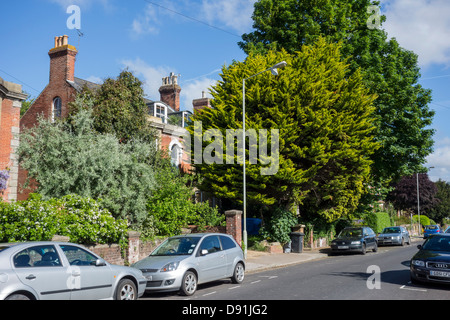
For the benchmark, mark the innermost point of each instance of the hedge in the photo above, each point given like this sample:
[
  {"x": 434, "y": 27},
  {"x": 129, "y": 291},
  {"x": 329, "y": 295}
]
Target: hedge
[{"x": 378, "y": 221}]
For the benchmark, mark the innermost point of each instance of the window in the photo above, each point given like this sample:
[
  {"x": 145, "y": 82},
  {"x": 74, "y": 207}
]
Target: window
[
  {"x": 175, "y": 155},
  {"x": 39, "y": 256},
  {"x": 227, "y": 243},
  {"x": 78, "y": 256},
  {"x": 211, "y": 244},
  {"x": 57, "y": 109},
  {"x": 160, "y": 112}
]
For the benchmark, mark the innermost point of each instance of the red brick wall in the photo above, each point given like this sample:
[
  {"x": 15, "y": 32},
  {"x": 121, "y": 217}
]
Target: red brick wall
[{"x": 10, "y": 117}]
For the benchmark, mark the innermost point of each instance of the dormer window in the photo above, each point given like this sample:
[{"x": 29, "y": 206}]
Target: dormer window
[
  {"x": 160, "y": 112},
  {"x": 56, "y": 109}
]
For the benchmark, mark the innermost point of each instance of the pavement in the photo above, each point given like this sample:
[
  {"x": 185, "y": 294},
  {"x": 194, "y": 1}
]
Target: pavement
[{"x": 258, "y": 261}]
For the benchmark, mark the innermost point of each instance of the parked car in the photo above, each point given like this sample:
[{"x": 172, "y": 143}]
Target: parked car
[
  {"x": 394, "y": 236},
  {"x": 431, "y": 229},
  {"x": 183, "y": 262},
  {"x": 432, "y": 262},
  {"x": 357, "y": 239},
  {"x": 447, "y": 230},
  {"x": 63, "y": 271}
]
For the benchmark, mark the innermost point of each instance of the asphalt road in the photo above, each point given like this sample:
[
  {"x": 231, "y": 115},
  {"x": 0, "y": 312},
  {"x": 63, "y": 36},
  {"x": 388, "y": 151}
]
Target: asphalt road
[{"x": 383, "y": 275}]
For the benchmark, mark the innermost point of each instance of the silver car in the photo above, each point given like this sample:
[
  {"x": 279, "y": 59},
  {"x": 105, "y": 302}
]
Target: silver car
[
  {"x": 63, "y": 271},
  {"x": 394, "y": 236},
  {"x": 183, "y": 262}
]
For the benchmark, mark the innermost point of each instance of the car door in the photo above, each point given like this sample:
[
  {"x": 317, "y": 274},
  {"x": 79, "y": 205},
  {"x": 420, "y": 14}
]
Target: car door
[
  {"x": 87, "y": 280},
  {"x": 211, "y": 260},
  {"x": 369, "y": 237},
  {"x": 40, "y": 267},
  {"x": 229, "y": 247}
]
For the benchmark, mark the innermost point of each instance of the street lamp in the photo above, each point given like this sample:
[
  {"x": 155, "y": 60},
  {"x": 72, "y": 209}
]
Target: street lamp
[{"x": 274, "y": 71}]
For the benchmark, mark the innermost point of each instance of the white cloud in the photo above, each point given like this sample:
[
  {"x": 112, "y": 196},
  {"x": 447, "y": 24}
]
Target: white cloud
[
  {"x": 149, "y": 75},
  {"x": 193, "y": 89},
  {"x": 235, "y": 14},
  {"x": 440, "y": 160},
  {"x": 146, "y": 23},
  {"x": 420, "y": 26}
]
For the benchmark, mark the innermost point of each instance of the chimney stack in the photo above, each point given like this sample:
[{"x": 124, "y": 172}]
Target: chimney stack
[
  {"x": 170, "y": 91},
  {"x": 203, "y": 102},
  {"x": 62, "y": 60}
]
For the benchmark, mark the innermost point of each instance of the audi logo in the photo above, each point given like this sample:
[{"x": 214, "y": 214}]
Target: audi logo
[{"x": 441, "y": 265}]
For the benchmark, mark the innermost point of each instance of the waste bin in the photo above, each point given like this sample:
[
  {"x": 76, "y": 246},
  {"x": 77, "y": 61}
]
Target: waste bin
[{"x": 297, "y": 242}]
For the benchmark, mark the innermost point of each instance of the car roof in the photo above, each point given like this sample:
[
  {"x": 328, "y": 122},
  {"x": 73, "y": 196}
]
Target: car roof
[
  {"x": 200, "y": 235},
  {"x": 34, "y": 243}
]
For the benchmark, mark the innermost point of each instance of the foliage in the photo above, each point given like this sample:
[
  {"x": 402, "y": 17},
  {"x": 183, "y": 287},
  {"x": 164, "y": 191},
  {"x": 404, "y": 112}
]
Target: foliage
[
  {"x": 404, "y": 195},
  {"x": 424, "y": 220},
  {"x": 4, "y": 176},
  {"x": 82, "y": 219},
  {"x": 278, "y": 227},
  {"x": 324, "y": 118},
  {"x": 120, "y": 108},
  {"x": 171, "y": 207},
  {"x": 388, "y": 70},
  {"x": 441, "y": 209},
  {"x": 72, "y": 159},
  {"x": 377, "y": 220}
]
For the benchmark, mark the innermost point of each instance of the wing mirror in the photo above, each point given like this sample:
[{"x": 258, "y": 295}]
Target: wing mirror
[
  {"x": 100, "y": 263},
  {"x": 204, "y": 252}
]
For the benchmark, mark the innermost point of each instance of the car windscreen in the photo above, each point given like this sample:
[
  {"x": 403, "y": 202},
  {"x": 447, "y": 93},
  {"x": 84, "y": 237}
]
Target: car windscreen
[
  {"x": 351, "y": 233},
  {"x": 177, "y": 246},
  {"x": 437, "y": 243},
  {"x": 391, "y": 230}
]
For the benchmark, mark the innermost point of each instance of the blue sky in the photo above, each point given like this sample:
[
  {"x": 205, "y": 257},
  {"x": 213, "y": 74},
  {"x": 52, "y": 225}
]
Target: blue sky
[{"x": 153, "y": 41}]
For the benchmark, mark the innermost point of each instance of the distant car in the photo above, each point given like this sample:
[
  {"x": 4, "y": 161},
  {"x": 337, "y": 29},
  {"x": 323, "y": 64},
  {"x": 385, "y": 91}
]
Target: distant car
[
  {"x": 431, "y": 229},
  {"x": 432, "y": 262},
  {"x": 394, "y": 236},
  {"x": 356, "y": 239},
  {"x": 182, "y": 262},
  {"x": 63, "y": 271}
]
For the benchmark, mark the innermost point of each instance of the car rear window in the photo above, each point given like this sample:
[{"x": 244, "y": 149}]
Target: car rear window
[{"x": 227, "y": 243}]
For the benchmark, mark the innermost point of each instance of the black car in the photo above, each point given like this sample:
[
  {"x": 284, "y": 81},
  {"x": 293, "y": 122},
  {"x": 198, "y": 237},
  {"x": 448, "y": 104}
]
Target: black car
[
  {"x": 356, "y": 239},
  {"x": 432, "y": 262}
]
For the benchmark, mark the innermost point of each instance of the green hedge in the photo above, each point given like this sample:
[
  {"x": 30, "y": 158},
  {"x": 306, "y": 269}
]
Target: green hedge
[
  {"x": 377, "y": 221},
  {"x": 81, "y": 219}
]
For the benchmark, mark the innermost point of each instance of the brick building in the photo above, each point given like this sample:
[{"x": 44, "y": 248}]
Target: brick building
[
  {"x": 164, "y": 115},
  {"x": 11, "y": 98}
]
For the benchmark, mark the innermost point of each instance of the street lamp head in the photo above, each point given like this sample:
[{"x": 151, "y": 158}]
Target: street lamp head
[{"x": 274, "y": 70}]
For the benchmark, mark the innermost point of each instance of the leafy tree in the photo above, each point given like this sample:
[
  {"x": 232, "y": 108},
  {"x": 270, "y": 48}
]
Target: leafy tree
[
  {"x": 120, "y": 108},
  {"x": 442, "y": 209},
  {"x": 73, "y": 159},
  {"x": 404, "y": 195},
  {"x": 325, "y": 122},
  {"x": 391, "y": 72}
]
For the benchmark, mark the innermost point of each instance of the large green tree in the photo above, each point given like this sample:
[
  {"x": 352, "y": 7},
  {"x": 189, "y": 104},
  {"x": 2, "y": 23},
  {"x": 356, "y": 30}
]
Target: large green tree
[
  {"x": 325, "y": 122},
  {"x": 388, "y": 70}
]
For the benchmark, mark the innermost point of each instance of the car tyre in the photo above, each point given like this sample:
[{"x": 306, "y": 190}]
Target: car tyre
[
  {"x": 363, "y": 250},
  {"x": 188, "y": 284},
  {"x": 17, "y": 297},
  {"x": 239, "y": 273},
  {"x": 126, "y": 290},
  {"x": 375, "y": 249}
]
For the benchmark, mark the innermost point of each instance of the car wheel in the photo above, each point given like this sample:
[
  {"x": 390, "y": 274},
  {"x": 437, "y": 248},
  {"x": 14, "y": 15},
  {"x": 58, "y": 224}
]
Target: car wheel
[
  {"x": 189, "y": 284},
  {"x": 239, "y": 273},
  {"x": 375, "y": 249},
  {"x": 17, "y": 297},
  {"x": 403, "y": 242},
  {"x": 363, "y": 250},
  {"x": 126, "y": 290}
]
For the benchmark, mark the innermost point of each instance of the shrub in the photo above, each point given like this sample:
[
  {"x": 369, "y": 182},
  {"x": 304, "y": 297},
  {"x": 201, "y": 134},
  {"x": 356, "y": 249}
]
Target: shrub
[
  {"x": 377, "y": 221},
  {"x": 279, "y": 226},
  {"x": 424, "y": 220},
  {"x": 81, "y": 219}
]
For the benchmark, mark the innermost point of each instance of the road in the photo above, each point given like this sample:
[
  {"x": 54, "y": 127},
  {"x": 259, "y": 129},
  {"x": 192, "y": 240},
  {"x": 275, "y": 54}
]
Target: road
[{"x": 383, "y": 275}]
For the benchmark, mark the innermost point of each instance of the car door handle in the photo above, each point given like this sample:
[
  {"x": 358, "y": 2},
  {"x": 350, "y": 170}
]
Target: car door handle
[
  {"x": 75, "y": 274},
  {"x": 31, "y": 277}
]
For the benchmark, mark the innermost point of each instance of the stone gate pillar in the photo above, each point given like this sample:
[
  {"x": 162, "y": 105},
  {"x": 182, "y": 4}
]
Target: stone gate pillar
[{"x": 234, "y": 224}]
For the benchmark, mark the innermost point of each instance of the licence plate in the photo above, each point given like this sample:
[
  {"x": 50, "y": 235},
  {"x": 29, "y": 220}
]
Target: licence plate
[
  {"x": 440, "y": 274},
  {"x": 342, "y": 247}
]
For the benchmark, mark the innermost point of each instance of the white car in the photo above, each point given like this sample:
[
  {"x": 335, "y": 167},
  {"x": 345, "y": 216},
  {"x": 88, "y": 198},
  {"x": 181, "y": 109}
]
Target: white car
[
  {"x": 182, "y": 262},
  {"x": 63, "y": 271}
]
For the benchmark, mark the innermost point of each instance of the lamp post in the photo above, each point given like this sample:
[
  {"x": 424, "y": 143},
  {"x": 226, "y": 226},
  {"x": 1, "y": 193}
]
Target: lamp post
[{"x": 274, "y": 72}]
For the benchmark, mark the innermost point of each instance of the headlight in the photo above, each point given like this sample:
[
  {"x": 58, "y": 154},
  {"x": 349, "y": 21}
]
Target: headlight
[
  {"x": 170, "y": 266},
  {"x": 418, "y": 263},
  {"x": 356, "y": 242}
]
